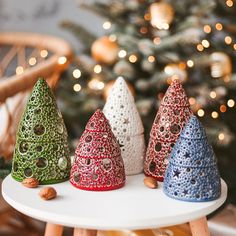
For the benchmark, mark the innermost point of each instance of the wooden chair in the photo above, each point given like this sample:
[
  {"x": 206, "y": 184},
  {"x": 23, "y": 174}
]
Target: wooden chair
[{"x": 23, "y": 58}]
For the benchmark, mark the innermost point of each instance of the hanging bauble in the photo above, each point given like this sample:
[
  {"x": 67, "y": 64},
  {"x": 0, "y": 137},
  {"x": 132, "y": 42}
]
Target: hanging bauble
[
  {"x": 104, "y": 50},
  {"x": 124, "y": 68},
  {"x": 176, "y": 71},
  {"x": 162, "y": 14},
  {"x": 221, "y": 66},
  {"x": 109, "y": 85}
]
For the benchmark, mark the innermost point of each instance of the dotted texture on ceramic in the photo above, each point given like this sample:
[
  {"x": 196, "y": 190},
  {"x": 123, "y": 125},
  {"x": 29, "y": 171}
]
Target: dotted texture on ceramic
[
  {"x": 173, "y": 114},
  {"x": 121, "y": 111},
  {"x": 41, "y": 149},
  {"x": 98, "y": 165},
  {"x": 192, "y": 173}
]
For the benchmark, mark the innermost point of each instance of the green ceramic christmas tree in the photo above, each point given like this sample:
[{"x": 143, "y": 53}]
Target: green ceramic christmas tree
[{"x": 41, "y": 149}]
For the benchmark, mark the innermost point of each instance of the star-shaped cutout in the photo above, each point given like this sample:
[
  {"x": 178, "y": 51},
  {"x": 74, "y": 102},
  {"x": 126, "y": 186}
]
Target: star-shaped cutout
[
  {"x": 126, "y": 121},
  {"x": 186, "y": 155},
  {"x": 176, "y": 173},
  {"x": 185, "y": 192}
]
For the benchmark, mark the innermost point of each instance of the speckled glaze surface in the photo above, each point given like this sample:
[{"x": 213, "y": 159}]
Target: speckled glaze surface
[
  {"x": 192, "y": 173},
  {"x": 126, "y": 124},
  {"x": 41, "y": 149},
  {"x": 98, "y": 165},
  {"x": 171, "y": 117}
]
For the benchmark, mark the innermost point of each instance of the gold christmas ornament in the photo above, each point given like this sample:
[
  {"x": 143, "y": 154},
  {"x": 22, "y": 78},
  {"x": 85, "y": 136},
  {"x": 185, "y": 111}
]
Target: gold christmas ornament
[
  {"x": 109, "y": 85},
  {"x": 176, "y": 71},
  {"x": 221, "y": 66},
  {"x": 162, "y": 14},
  {"x": 104, "y": 50}
]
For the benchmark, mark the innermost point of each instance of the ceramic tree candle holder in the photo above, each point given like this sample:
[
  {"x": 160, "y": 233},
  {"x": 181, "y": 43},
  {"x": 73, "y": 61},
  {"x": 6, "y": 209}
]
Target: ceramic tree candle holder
[
  {"x": 98, "y": 164},
  {"x": 126, "y": 125},
  {"x": 192, "y": 173},
  {"x": 171, "y": 117},
  {"x": 41, "y": 149}
]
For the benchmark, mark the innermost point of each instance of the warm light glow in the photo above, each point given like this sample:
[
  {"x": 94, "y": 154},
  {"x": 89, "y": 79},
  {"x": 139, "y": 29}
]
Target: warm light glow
[
  {"x": 143, "y": 30},
  {"x": 76, "y": 73},
  {"x": 231, "y": 103},
  {"x": 221, "y": 136},
  {"x": 112, "y": 37},
  {"x": 19, "y": 70},
  {"x": 200, "y": 112},
  {"x": 151, "y": 59},
  {"x": 223, "y": 108},
  {"x": 182, "y": 65},
  {"x": 200, "y": 47},
  {"x": 213, "y": 94},
  {"x": 43, "y": 53},
  {"x": 219, "y": 26},
  {"x": 190, "y": 63},
  {"x": 77, "y": 87},
  {"x": 62, "y": 60},
  {"x": 205, "y": 43},
  {"x": 229, "y": 3},
  {"x": 122, "y": 53},
  {"x": 97, "y": 69},
  {"x": 228, "y": 40},
  {"x": 96, "y": 84},
  {"x": 157, "y": 40},
  {"x": 133, "y": 58},
  {"x": 32, "y": 61},
  {"x": 214, "y": 114},
  {"x": 165, "y": 26},
  {"x": 207, "y": 29},
  {"x": 106, "y": 25},
  {"x": 147, "y": 16},
  {"x": 192, "y": 101},
  {"x": 234, "y": 46}
]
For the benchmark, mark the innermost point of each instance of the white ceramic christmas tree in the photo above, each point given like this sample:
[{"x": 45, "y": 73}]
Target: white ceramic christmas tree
[{"x": 127, "y": 126}]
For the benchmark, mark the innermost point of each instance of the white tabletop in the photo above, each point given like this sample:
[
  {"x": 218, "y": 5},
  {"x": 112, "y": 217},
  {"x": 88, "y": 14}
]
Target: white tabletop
[{"x": 131, "y": 207}]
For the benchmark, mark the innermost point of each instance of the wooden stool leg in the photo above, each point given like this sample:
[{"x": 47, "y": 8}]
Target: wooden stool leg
[
  {"x": 84, "y": 232},
  {"x": 199, "y": 227},
  {"x": 53, "y": 230}
]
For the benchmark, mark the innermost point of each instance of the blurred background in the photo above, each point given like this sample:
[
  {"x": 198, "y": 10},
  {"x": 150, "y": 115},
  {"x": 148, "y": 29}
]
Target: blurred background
[{"x": 149, "y": 43}]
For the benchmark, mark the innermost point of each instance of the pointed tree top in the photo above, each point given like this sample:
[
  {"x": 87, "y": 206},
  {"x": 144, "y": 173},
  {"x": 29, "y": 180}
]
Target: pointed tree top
[
  {"x": 175, "y": 96},
  {"x": 121, "y": 111},
  {"x": 192, "y": 148},
  {"x": 41, "y": 94},
  {"x": 193, "y": 129},
  {"x": 98, "y": 123}
]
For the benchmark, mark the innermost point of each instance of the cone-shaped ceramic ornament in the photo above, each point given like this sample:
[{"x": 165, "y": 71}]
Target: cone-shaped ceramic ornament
[
  {"x": 192, "y": 173},
  {"x": 126, "y": 125},
  {"x": 41, "y": 149},
  {"x": 171, "y": 117},
  {"x": 98, "y": 164}
]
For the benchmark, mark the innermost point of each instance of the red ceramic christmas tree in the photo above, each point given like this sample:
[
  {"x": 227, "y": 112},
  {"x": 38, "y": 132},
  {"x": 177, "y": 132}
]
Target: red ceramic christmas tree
[
  {"x": 98, "y": 163},
  {"x": 173, "y": 114}
]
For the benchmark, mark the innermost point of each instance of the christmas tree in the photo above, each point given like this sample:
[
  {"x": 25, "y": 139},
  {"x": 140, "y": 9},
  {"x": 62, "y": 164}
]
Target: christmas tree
[
  {"x": 171, "y": 117},
  {"x": 126, "y": 125},
  {"x": 150, "y": 43},
  {"x": 41, "y": 149},
  {"x": 98, "y": 164},
  {"x": 192, "y": 174}
]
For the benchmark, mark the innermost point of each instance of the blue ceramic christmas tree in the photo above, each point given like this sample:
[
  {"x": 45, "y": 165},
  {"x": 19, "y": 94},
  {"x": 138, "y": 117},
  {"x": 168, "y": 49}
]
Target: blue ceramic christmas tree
[{"x": 192, "y": 173}]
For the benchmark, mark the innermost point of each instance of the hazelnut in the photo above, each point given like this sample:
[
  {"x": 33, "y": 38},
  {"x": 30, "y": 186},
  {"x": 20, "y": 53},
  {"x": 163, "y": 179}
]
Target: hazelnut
[
  {"x": 47, "y": 193},
  {"x": 150, "y": 182},
  {"x": 30, "y": 183}
]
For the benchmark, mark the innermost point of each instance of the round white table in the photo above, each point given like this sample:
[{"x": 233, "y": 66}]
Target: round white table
[{"x": 132, "y": 207}]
